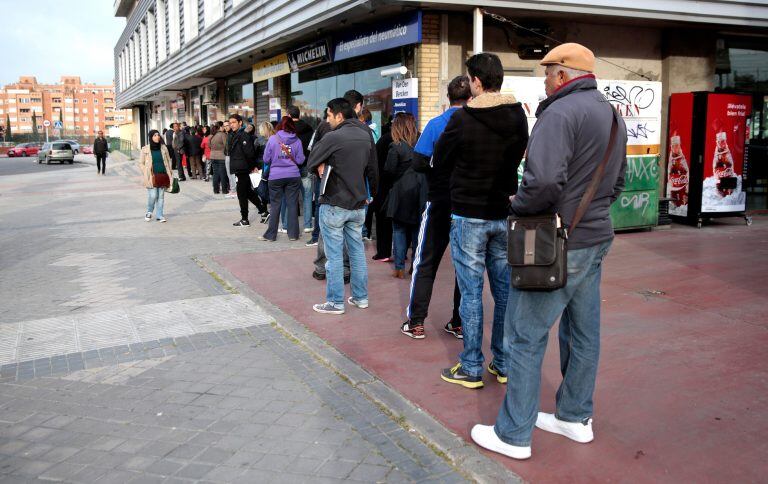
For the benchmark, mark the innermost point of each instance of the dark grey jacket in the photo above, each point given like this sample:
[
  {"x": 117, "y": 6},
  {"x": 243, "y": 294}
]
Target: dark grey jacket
[
  {"x": 567, "y": 143},
  {"x": 350, "y": 150}
]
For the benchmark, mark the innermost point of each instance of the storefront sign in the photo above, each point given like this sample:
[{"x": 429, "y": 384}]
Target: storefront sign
[
  {"x": 638, "y": 102},
  {"x": 314, "y": 54},
  {"x": 405, "y": 96},
  {"x": 267, "y": 69},
  {"x": 275, "y": 113},
  {"x": 388, "y": 34}
]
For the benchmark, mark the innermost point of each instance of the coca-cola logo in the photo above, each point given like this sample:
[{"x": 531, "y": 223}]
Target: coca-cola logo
[
  {"x": 724, "y": 172},
  {"x": 678, "y": 181}
]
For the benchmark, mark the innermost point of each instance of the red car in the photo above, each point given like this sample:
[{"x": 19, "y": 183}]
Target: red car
[
  {"x": 25, "y": 149},
  {"x": 86, "y": 149}
]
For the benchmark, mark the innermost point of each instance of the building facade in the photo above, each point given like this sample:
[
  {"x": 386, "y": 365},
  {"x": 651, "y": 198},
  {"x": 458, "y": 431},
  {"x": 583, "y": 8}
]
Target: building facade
[
  {"x": 82, "y": 109},
  {"x": 197, "y": 60}
]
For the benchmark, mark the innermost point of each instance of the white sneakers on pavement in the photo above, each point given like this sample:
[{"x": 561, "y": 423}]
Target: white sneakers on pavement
[
  {"x": 577, "y": 431},
  {"x": 486, "y": 437}
]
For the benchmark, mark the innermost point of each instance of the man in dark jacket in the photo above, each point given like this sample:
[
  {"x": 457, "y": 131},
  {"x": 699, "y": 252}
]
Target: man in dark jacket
[
  {"x": 100, "y": 150},
  {"x": 568, "y": 142},
  {"x": 383, "y": 223},
  {"x": 242, "y": 161},
  {"x": 304, "y": 132},
  {"x": 435, "y": 221},
  {"x": 169, "y": 145},
  {"x": 177, "y": 145},
  {"x": 480, "y": 150},
  {"x": 345, "y": 159}
]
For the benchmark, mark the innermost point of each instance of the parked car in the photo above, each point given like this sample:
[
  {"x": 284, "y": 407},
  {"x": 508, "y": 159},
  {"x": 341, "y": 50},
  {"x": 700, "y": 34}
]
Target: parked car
[
  {"x": 25, "y": 149},
  {"x": 87, "y": 149},
  {"x": 74, "y": 144},
  {"x": 60, "y": 151}
]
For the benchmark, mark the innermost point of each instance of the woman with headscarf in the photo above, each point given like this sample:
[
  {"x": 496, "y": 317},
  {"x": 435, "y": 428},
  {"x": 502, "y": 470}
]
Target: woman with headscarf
[{"x": 155, "y": 165}]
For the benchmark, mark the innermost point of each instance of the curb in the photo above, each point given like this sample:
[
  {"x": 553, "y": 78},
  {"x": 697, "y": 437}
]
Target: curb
[{"x": 463, "y": 456}]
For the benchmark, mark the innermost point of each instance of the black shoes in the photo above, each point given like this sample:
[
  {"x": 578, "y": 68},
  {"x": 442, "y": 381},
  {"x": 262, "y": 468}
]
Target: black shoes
[
  {"x": 454, "y": 329},
  {"x": 415, "y": 331},
  {"x": 242, "y": 223},
  {"x": 321, "y": 277}
]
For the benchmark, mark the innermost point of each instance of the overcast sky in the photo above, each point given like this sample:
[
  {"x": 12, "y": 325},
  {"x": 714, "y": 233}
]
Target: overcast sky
[{"x": 51, "y": 38}]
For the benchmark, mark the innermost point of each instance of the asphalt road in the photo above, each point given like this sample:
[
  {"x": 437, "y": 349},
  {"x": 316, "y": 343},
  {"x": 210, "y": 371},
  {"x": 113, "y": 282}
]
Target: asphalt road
[{"x": 21, "y": 166}]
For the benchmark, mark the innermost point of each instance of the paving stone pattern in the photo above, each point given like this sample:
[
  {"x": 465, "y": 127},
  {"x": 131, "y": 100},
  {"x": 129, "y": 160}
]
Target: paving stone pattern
[
  {"x": 259, "y": 409},
  {"x": 81, "y": 333},
  {"x": 121, "y": 360},
  {"x": 74, "y": 242}
]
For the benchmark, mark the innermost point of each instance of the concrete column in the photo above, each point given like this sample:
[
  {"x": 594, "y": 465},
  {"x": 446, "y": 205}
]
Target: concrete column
[{"x": 477, "y": 31}]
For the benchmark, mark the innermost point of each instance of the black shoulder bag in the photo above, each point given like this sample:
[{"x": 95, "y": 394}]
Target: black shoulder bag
[{"x": 537, "y": 246}]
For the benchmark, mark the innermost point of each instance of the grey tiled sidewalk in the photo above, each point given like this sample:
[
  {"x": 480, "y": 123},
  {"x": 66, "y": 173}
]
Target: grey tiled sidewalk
[
  {"x": 122, "y": 360},
  {"x": 257, "y": 410},
  {"x": 88, "y": 332}
]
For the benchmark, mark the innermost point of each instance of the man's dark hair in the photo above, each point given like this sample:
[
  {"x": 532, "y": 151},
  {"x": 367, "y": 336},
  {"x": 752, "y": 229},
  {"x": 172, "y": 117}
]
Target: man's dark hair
[
  {"x": 486, "y": 67},
  {"x": 458, "y": 90},
  {"x": 171, "y": 126},
  {"x": 293, "y": 112},
  {"x": 341, "y": 105},
  {"x": 236, "y": 117},
  {"x": 353, "y": 98}
]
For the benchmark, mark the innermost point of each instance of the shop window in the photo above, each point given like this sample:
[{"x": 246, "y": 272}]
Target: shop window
[
  {"x": 311, "y": 90},
  {"x": 240, "y": 96}
]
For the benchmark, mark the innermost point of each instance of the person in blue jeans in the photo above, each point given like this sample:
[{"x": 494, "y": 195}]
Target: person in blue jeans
[
  {"x": 345, "y": 159},
  {"x": 569, "y": 141},
  {"x": 480, "y": 150}
]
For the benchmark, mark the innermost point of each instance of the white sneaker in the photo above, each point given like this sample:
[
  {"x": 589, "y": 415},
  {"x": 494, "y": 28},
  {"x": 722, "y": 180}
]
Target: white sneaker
[
  {"x": 361, "y": 303},
  {"x": 282, "y": 231},
  {"x": 148, "y": 217},
  {"x": 580, "y": 432},
  {"x": 308, "y": 230},
  {"x": 486, "y": 437}
]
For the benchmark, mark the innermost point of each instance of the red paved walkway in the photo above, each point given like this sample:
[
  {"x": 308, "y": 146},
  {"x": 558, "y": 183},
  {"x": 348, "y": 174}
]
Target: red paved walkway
[{"x": 682, "y": 392}]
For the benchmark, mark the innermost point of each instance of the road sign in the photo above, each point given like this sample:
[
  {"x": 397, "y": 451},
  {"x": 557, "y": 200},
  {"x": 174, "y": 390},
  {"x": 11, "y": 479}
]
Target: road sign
[
  {"x": 58, "y": 125},
  {"x": 46, "y": 123}
]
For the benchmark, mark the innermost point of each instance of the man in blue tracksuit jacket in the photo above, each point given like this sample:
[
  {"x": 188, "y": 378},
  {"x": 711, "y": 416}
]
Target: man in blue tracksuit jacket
[{"x": 434, "y": 233}]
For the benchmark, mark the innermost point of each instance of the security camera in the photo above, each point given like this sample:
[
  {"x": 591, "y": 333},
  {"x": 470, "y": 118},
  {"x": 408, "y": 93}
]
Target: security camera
[{"x": 401, "y": 70}]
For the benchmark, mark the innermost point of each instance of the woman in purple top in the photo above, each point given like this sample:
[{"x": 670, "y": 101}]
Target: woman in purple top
[{"x": 284, "y": 155}]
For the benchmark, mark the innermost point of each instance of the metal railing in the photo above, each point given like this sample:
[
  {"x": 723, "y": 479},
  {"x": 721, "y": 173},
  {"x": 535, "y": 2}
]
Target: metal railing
[{"x": 124, "y": 146}]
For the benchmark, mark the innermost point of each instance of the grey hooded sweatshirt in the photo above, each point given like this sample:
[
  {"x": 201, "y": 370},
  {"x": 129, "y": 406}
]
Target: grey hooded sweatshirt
[{"x": 567, "y": 144}]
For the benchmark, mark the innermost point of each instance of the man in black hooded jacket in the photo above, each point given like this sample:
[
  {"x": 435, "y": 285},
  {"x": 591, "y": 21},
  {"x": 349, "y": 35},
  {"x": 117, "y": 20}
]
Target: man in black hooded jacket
[{"x": 481, "y": 148}]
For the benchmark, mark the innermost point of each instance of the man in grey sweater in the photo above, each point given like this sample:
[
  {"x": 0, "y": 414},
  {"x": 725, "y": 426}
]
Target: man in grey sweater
[{"x": 567, "y": 144}]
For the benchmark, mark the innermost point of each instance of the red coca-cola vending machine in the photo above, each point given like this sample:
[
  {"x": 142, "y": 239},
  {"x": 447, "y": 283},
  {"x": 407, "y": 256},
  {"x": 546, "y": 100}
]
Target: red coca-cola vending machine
[{"x": 706, "y": 155}]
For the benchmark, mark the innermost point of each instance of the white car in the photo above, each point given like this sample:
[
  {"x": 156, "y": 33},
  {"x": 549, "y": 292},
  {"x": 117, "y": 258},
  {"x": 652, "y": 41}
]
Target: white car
[
  {"x": 60, "y": 151},
  {"x": 74, "y": 144}
]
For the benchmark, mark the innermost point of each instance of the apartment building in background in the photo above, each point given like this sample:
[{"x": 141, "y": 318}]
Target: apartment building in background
[{"x": 82, "y": 108}]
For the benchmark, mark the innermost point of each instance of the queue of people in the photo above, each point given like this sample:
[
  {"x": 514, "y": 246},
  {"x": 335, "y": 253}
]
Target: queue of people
[{"x": 453, "y": 185}]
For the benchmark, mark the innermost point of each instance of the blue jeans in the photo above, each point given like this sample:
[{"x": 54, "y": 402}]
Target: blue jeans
[
  {"x": 340, "y": 227},
  {"x": 530, "y": 315},
  {"x": 307, "y": 185},
  {"x": 400, "y": 242},
  {"x": 476, "y": 246},
  {"x": 155, "y": 200}
]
